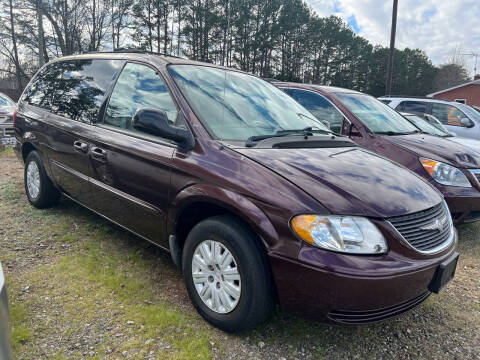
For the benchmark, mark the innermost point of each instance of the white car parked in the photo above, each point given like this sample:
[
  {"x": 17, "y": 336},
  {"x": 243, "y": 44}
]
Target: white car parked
[
  {"x": 460, "y": 119},
  {"x": 431, "y": 125}
]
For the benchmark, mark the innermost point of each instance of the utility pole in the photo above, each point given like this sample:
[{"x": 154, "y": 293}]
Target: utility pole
[
  {"x": 476, "y": 56},
  {"x": 388, "y": 89}
]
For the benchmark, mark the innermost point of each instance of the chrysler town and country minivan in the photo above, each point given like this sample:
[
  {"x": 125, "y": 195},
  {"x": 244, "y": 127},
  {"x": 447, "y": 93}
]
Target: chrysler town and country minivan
[
  {"x": 452, "y": 168},
  {"x": 254, "y": 198}
]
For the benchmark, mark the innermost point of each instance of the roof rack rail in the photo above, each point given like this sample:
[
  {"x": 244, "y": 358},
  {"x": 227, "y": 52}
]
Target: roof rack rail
[
  {"x": 411, "y": 97},
  {"x": 133, "y": 50},
  {"x": 271, "y": 80}
]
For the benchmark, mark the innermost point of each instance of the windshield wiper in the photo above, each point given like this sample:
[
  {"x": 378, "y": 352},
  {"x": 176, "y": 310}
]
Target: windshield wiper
[
  {"x": 308, "y": 131},
  {"x": 392, "y": 133}
]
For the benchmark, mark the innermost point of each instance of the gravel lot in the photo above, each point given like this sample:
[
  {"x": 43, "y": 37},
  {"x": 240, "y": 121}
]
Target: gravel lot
[{"x": 81, "y": 288}]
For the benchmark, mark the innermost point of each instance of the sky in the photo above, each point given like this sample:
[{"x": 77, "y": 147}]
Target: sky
[{"x": 436, "y": 26}]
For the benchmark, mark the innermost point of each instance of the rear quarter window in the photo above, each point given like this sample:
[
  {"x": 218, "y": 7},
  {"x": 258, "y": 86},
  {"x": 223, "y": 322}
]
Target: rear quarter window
[{"x": 74, "y": 89}]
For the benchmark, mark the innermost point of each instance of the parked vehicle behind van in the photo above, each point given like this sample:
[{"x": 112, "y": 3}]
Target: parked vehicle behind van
[
  {"x": 450, "y": 167},
  {"x": 255, "y": 199},
  {"x": 458, "y": 118},
  {"x": 431, "y": 125}
]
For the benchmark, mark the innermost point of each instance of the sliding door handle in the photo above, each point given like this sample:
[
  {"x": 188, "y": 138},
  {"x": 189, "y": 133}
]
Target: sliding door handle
[{"x": 80, "y": 146}]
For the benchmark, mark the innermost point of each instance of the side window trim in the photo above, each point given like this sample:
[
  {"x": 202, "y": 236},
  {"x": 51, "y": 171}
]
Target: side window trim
[
  {"x": 146, "y": 137},
  {"x": 108, "y": 93}
]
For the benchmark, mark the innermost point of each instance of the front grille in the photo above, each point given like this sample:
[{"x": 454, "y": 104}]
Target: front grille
[
  {"x": 369, "y": 316},
  {"x": 476, "y": 174},
  {"x": 425, "y": 230}
]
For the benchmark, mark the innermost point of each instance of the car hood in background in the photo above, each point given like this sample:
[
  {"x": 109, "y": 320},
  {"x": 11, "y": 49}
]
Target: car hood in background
[
  {"x": 469, "y": 143},
  {"x": 437, "y": 148},
  {"x": 350, "y": 181}
]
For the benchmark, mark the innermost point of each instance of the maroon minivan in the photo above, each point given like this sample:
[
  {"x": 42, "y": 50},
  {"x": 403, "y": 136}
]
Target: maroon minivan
[
  {"x": 254, "y": 198},
  {"x": 454, "y": 169}
]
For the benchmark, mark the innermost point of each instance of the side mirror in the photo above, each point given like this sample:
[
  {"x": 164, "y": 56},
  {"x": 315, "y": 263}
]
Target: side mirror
[
  {"x": 353, "y": 131},
  {"x": 155, "y": 122},
  {"x": 466, "y": 122}
]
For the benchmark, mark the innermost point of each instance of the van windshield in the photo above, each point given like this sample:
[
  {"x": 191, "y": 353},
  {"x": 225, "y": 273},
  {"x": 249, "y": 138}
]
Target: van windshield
[
  {"x": 378, "y": 117},
  {"x": 235, "y": 106}
]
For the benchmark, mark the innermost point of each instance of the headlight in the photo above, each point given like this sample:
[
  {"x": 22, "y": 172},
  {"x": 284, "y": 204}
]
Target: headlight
[
  {"x": 445, "y": 174},
  {"x": 348, "y": 234}
]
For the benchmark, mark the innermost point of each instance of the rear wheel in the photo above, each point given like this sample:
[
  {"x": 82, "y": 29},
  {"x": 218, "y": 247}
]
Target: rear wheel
[
  {"x": 227, "y": 275},
  {"x": 41, "y": 193}
]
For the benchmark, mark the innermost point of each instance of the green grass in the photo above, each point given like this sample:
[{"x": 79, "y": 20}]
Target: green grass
[
  {"x": 99, "y": 276},
  {"x": 7, "y": 152}
]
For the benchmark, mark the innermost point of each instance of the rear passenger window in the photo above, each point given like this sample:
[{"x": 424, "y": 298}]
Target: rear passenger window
[
  {"x": 73, "y": 89},
  {"x": 417, "y": 107},
  {"x": 81, "y": 88},
  {"x": 138, "y": 86},
  {"x": 41, "y": 91}
]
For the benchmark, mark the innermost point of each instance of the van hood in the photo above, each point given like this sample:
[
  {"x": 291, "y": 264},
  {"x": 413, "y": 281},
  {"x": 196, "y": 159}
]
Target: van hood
[
  {"x": 350, "y": 181},
  {"x": 437, "y": 148}
]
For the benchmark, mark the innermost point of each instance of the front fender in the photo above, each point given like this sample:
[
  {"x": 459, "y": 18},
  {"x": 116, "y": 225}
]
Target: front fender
[{"x": 234, "y": 202}]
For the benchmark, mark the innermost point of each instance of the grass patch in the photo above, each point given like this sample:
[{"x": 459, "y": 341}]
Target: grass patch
[
  {"x": 21, "y": 329},
  {"x": 104, "y": 281},
  {"x": 7, "y": 152}
]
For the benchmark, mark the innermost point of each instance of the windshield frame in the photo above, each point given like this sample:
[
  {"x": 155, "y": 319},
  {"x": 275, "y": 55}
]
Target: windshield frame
[
  {"x": 339, "y": 97},
  {"x": 211, "y": 133}
]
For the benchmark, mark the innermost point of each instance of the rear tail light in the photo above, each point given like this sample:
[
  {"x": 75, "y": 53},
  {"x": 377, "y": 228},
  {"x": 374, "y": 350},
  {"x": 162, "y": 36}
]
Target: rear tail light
[{"x": 14, "y": 117}]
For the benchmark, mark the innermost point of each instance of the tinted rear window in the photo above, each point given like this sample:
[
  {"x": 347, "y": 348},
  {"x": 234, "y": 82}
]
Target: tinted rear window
[
  {"x": 73, "y": 89},
  {"x": 418, "y": 107}
]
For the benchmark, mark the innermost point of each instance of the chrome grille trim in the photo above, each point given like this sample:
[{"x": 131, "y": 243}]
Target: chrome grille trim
[
  {"x": 413, "y": 228},
  {"x": 476, "y": 174}
]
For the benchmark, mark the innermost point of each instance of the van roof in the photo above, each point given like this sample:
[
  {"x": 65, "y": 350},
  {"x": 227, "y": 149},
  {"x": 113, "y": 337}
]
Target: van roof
[{"x": 139, "y": 55}]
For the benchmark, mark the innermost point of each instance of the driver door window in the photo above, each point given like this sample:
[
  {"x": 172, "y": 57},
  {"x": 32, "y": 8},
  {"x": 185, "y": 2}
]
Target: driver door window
[
  {"x": 447, "y": 114},
  {"x": 320, "y": 107},
  {"x": 138, "y": 86}
]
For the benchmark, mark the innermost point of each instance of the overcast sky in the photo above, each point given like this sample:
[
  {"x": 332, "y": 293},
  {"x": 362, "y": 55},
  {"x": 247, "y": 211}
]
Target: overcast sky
[{"x": 436, "y": 26}]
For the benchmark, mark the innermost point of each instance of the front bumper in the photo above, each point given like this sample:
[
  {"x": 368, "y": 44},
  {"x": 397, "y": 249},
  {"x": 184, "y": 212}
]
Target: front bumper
[
  {"x": 340, "y": 288},
  {"x": 464, "y": 209}
]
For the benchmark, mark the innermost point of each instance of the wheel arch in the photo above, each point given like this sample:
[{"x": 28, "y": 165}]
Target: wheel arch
[{"x": 196, "y": 203}]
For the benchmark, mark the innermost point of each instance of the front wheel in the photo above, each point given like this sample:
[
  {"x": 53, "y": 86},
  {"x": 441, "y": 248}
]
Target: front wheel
[
  {"x": 227, "y": 275},
  {"x": 41, "y": 193}
]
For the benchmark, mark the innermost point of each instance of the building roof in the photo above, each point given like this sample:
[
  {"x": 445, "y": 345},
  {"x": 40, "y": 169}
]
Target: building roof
[{"x": 475, "y": 82}]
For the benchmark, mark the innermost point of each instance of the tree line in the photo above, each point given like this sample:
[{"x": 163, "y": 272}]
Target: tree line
[{"x": 283, "y": 39}]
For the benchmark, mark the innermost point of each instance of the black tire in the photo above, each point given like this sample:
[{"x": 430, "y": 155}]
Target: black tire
[
  {"x": 48, "y": 195},
  {"x": 256, "y": 301}
]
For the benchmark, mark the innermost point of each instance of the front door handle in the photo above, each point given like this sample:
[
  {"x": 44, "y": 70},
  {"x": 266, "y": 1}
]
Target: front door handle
[
  {"x": 98, "y": 153},
  {"x": 80, "y": 146}
]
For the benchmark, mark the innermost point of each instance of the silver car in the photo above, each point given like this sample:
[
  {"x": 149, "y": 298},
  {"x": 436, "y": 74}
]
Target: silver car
[
  {"x": 7, "y": 109},
  {"x": 5, "y": 350},
  {"x": 431, "y": 125},
  {"x": 459, "y": 119}
]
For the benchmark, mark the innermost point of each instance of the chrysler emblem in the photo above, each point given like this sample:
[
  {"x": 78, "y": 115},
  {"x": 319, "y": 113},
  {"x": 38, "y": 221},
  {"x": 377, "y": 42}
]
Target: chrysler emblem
[{"x": 437, "y": 225}]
